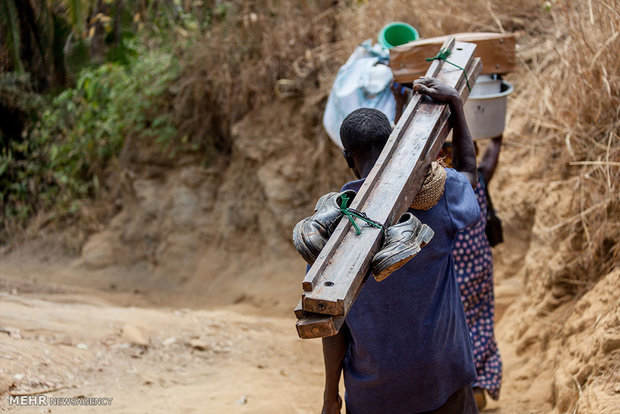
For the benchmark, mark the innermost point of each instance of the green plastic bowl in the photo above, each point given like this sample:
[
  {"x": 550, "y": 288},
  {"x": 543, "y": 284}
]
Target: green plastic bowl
[{"x": 397, "y": 33}]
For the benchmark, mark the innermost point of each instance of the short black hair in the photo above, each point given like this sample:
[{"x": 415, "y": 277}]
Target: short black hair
[{"x": 364, "y": 129}]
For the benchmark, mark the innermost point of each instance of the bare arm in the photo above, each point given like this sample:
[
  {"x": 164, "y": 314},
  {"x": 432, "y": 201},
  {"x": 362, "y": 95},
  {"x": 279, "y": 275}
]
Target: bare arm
[
  {"x": 463, "y": 150},
  {"x": 400, "y": 95},
  {"x": 334, "y": 350},
  {"x": 490, "y": 159}
]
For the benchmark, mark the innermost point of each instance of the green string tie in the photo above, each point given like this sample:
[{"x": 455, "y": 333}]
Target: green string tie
[
  {"x": 443, "y": 54},
  {"x": 351, "y": 213}
]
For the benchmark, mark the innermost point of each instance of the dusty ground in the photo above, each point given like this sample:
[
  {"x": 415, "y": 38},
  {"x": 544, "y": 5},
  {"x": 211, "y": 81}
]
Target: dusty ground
[
  {"x": 67, "y": 335},
  {"x": 81, "y": 342}
]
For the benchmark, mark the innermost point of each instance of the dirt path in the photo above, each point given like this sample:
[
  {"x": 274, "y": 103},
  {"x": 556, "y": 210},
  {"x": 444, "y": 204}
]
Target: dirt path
[
  {"x": 156, "y": 360},
  {"x": 114, "y": 335},
  {"x": 81, "y": 343}
]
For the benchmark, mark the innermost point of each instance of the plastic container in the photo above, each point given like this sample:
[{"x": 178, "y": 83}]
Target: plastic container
[
  {"x": 396, "y": 34},
  {"x": 486, "y": 85},
  {"x": 485, "y": 109}
]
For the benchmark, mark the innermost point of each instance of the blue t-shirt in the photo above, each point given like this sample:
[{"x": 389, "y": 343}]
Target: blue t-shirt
[{"x": 410, "y": 348}]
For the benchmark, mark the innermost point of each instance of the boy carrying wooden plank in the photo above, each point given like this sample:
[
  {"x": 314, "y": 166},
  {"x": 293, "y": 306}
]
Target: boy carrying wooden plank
[{"x": 405, "y": 346}]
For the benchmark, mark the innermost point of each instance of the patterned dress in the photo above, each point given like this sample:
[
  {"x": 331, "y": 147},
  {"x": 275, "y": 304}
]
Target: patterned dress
[{"x": 474, "y": 269}]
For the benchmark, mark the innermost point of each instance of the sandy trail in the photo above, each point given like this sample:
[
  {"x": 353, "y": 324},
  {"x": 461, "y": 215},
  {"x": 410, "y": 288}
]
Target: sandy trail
[
  {"x": 65, "y": 329},
  {"x": 156, "y": 360},
  {"x": 232, "y": 359}
]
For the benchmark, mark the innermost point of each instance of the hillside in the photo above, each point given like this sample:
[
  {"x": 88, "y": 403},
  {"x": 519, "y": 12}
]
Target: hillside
[{"x": 201, "y": 237}]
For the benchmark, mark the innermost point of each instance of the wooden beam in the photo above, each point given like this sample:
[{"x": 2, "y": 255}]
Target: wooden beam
[
  {"x": 337, "y": 276},
  {"x": 335, "y": 240},
  {"x": 497, "y": 51},
  {"x": 326, "y": 255},
  {"x": 315, "y": 325},
  {"x": 300, "y": 313}
]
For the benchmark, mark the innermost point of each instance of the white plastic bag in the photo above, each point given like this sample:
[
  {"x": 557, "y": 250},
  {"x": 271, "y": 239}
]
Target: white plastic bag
[{"x": 362, "y": 82}]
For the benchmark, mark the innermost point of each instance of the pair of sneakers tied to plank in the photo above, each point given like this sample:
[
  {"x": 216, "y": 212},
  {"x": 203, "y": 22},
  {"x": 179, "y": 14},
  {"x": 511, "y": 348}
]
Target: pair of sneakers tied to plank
[{"x": 401, "y": 242}]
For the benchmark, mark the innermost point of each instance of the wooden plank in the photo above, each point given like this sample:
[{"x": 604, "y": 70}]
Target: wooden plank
[
  {"x": 326, "y": 323},
  {"x": 315, "y": 325},
  {"x": 497, "y": 51},
  {"x": 393, "y": 192},
  {"x": 388, "y": 194},
  {"x": 335, "y": 240},
  {"x": 300, "y": 313},
  {"x": 326, "y": 255}
]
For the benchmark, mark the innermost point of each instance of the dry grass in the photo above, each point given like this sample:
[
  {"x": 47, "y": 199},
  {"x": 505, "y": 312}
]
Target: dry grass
[
  {"x": 235, "y": 67},
  {"x": 272, "y": 48},
  {"x": 569, "y": 93},
  {"x": 574, "y": 110},
  {"x": 568, "y": 84},
  {"x": 275, "y": 48}
]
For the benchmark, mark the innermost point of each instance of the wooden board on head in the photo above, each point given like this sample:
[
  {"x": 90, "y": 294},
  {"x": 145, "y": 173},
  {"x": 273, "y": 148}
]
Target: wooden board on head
[{"x": 496, "y": 50}]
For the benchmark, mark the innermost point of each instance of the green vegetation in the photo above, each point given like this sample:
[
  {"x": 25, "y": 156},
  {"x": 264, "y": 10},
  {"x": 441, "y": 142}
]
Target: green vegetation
[
  {"x": 65, "y": 155},
  {"x": 79, "y": 78},
  {"x": 76, "y": 79}
]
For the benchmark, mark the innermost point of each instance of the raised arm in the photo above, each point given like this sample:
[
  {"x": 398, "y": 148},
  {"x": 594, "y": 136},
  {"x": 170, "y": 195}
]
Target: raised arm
[
  {"x": 400, "y": 95},
  {"x": 334, "y": 350},
  {"x": 463, "y": 150},
  {"x": 490, "y": 159}
]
